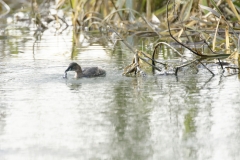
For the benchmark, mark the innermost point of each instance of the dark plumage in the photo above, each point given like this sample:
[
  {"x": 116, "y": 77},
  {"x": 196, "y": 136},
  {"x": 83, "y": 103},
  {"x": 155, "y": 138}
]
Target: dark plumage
[{"x": 85, "y": 72}]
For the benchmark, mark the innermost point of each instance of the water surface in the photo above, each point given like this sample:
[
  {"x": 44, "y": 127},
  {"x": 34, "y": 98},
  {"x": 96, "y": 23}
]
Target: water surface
[{"x": 43, "y": 116}]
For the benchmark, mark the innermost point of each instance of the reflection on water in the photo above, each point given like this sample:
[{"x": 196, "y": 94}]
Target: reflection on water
[
  {"x": 130, "y": 115},
  {"x": 43, "y": 116}
]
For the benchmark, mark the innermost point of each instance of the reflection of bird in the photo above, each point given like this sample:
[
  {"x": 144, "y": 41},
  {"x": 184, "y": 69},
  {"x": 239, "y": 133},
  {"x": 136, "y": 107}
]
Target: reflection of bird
[{"x": 85, "y": 72}]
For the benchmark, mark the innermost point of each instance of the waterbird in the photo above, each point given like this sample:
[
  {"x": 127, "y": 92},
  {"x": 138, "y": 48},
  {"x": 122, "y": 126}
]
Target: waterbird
[{"x": 85, "y": 72}]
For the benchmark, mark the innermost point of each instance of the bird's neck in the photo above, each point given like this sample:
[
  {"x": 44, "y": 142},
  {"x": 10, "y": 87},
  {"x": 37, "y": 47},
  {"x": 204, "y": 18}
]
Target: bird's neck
[{"x": 78, "y": 72}]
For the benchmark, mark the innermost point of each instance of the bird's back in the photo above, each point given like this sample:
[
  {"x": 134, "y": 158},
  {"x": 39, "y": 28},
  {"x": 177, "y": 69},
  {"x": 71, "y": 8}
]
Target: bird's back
[{"x": 93, "y": 72}]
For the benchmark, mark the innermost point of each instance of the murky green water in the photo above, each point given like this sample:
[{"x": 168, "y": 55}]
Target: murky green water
[{"x": 43, "y": 116}]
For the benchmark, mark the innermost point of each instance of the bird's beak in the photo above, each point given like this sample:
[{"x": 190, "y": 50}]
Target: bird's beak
[{"x": 68, "y": 69}]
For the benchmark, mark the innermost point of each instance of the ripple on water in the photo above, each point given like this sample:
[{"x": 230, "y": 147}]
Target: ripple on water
[{"x": 44, "y": 116}]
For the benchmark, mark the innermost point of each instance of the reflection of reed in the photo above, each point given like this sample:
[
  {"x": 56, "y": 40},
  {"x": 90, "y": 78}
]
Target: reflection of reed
[{"x": 130, "y": 117}]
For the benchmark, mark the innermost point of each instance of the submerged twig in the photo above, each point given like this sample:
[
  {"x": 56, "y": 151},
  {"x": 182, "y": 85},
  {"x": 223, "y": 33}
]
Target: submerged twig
[
  {"x": 150, "y": 63},
  {"x": 154, "y": 52},
  {"x": 176, "y": 71}
]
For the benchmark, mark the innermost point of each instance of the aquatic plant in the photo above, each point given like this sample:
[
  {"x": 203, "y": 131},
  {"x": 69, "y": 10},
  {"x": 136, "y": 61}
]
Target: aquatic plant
[{"x": 207, "y": 29}]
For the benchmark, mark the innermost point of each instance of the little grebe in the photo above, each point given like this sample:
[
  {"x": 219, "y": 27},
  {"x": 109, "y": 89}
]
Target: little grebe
[{"x": 85, "y": 72}]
